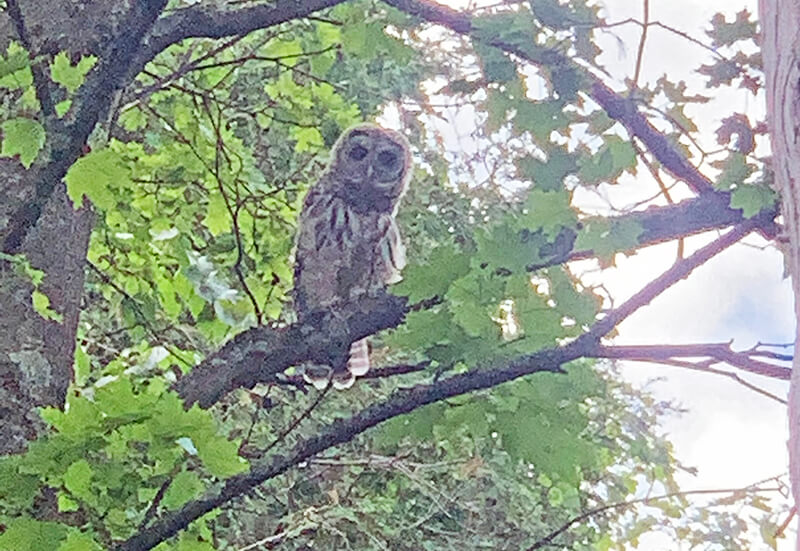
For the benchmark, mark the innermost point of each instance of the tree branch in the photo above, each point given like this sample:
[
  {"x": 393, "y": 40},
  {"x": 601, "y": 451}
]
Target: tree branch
[
  {"x": 206, "y": 21},
  {"x": 617, "y": 107},
  {"x": 258, "y": 355},
  {"x": 711, "y": 211},
  {"x": 547, "y": 541},
  {"x": 41, "y": 82},
  {"x": 92, "y": 100},
  {"x": 406, "y": 400},
  {"x": 678, "y": 271},
  {"x": 721, "y": 352}
]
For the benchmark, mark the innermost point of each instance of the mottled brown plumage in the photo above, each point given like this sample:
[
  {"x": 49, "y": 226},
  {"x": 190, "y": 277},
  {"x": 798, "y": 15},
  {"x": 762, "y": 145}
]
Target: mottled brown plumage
[{"x": 347, "y": 242}]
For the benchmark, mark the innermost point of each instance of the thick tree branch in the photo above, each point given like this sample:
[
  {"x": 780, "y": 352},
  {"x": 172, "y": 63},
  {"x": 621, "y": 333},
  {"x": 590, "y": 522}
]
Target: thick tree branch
[
  {"x": 92, "y": 101},
  {"x": 710, "y": 211},
  {"x": 408, "y": 399},
  {"x": 258, "y": 355},
  {"x": 719, "y": 352},
  {"x": 617, "y": 107},
  {"x": 207, "y": 21}
]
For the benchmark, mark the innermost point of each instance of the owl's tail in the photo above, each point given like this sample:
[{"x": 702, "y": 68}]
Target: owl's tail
[{"x": 357, "y": 365}]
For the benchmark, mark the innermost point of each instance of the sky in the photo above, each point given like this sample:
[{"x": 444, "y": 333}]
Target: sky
[{"x": 732, "y": 435}]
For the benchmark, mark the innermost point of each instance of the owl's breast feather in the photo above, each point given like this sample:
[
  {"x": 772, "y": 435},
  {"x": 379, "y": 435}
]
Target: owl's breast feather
[{"x": 364, "y": 197}]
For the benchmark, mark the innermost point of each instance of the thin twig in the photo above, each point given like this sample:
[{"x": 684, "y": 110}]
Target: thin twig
[
  {"x": 681, "y": 269},
  {"x": 548, "y": 539},
  {"x": 642, "y": 41},
  {"x": 41, "y": 82},
  {"x": 162, "y": 490}
]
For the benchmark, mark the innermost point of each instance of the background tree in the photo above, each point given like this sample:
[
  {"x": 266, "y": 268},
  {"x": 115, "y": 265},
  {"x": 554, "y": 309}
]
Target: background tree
[{"x": 156, "y": 155}]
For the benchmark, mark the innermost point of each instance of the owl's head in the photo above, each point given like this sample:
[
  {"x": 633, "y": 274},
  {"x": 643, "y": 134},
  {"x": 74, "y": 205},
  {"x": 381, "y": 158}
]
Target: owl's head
[{"x": 371, "y": 166}]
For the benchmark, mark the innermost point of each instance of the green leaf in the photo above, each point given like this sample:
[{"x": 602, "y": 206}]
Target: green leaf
[
  {"x": 726, "y": 34},
  {"x": 79, "y": 541},
  {"x": 752, "y": 199},
  {"x": 611, "y": 160},
  {"x": 735, "y": 170},
  {"x": 497, "y": 107},
  {"x": 25, "y": 534},
  {"x": 362, "y": 39},
  {"x": 417, "y": 425},
  {"x": 15, "y": 61},
  {"x": 78, "y": 480},
  {"x": 17, "y": 489},
  {"x": 507, "y": 248},
  {"x": 606, "y": 236},
  {"x": 41, "y": 305},
  {"x": 580, "y": 306},
  {"x": 133, "y": 119},
  {"x": 549, "y": 175},
  {"x": 219, "y": 455},
  {"x": 188, "y": 542},
  {"x": 97, "y": 175},
  {"x": 217, "y": 219},
  {"x": 68, "y": 75},
  {"x": 15, "y": 71},
  {"x": 80, "y": 419},
  {"x": 555, "y": 496},
  {"x": 540, "y": 118},
  {"x": 426, "y": 280},
  {"x": 422, "y": 330},
  {"x": 539, "y": 321},
  {"x": 497, "y": 67},
  {"x": 550, "y": 211},
  {"x": 546, "y": 429},
  {"x": 469, "y": 417},
  {"x": 184, "y": 487},
  {"x": 81, "y": 365},
  {"x": 308, "y": 139},
  {"x": 472, "y": 299},
  {"x": 512, "y": 28},
  {"x": 23, "y": 137},
  {"x": 67, "y": 504}
]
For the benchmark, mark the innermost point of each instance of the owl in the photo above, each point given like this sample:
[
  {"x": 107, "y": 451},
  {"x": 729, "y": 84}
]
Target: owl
[{"x": 347, "y": 241}]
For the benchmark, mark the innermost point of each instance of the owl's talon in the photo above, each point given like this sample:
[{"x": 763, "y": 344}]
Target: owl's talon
[
  {"x": 316, "y": 375},
  {"x": 342, "y": 380}
]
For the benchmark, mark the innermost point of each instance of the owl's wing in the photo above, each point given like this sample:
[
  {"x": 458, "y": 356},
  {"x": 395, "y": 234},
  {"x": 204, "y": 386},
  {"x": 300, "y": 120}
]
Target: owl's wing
[
  {"x": 305, "y": 247},
  {"x": 391, "y": 257}
]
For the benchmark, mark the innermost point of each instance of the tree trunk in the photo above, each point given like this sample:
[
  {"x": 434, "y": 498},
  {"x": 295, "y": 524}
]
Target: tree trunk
[
  {"x": 780, "y": 38},
  {"x": 35, "y": 353}
]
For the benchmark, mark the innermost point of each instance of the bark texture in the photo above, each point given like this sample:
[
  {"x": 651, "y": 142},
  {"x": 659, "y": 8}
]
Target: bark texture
[
  {"x": 35, "y": 353},
  {"x": 37, "y": 221},
  {"x": 780, "y": 36}
]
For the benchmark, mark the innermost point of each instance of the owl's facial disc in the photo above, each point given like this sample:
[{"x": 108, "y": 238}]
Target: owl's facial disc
[
  {"x": 387, "y": 164},
  {"x": 358, "y": 146},
  {"x": 370, "y": 164},
  {"x": 357, "y": 153}
]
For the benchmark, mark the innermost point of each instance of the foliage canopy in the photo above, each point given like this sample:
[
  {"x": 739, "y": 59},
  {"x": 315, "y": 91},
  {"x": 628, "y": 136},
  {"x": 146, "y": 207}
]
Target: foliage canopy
[{"x": 195, "y": 177}]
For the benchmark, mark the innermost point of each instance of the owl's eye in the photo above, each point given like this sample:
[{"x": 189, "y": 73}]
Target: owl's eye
[
  {"x": 357, "y": 152},
  {"x": 387, "y": 159}
]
